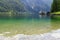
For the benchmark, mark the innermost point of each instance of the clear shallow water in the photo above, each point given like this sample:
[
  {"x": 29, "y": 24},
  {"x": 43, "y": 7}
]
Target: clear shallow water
[
  {"x": 52, "y": 35},
  {"x": 9, "y": 27},
  {"x": 24, "y": 26}
]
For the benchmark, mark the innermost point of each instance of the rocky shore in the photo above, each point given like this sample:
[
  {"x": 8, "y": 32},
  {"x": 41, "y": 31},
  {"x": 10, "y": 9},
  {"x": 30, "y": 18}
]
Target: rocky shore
[{"x": 53, "y": 35}]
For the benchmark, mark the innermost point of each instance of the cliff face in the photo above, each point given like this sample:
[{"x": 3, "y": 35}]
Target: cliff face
[
  {"x": 22, "y": 5},
  {"x": 37, "y": 5}
]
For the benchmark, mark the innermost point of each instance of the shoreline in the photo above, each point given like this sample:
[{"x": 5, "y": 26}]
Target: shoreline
[{"x": 53, "y": 35}]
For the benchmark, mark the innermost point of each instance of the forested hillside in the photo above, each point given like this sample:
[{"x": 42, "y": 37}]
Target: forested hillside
[
  {"x": 11, "y": 8},
  {"x": 8, "y": 5},
  {"x": 23, "y": 8},
  {"x": 56, "y": 5}
]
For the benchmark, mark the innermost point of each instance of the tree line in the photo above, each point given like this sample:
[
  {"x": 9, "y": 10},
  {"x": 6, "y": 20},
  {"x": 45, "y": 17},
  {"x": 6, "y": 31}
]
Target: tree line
[{"x": 55, "y": 6}]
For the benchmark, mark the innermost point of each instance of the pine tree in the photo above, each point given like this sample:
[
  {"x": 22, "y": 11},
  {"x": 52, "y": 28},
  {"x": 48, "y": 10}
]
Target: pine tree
[{"x": 56, "y": 6}]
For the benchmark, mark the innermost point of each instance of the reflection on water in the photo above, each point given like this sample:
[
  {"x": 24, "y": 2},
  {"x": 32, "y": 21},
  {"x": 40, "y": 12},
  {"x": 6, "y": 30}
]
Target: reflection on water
[
  {"x": 55, "y": 23},
  {"x": 25, "y": 25},
  {"x": 44, "y": 16}
]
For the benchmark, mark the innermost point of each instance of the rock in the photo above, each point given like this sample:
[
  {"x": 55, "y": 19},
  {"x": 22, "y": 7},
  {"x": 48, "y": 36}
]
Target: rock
[{"x": 53, "y": 35}]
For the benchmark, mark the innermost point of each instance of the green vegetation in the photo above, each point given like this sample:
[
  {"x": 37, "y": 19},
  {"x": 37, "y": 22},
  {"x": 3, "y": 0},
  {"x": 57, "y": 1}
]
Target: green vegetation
[
  {"x": 11, "y": 9},
  {"x": 55, "y": 15},
  {"x": 56, "y": 6},
  {"x": 55, "y": 23},
  {"x": 8, "y": 5},
  {"x": 56, "y": 9}
]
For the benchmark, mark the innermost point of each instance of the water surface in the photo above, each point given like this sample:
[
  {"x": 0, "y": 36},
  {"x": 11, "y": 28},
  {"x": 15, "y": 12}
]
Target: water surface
[{"x": 27, "y": 26}]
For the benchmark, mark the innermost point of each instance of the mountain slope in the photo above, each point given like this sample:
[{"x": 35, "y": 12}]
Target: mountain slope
[
  {"x": 37, "y": 5},
  {"x": 7, "y": 5}
]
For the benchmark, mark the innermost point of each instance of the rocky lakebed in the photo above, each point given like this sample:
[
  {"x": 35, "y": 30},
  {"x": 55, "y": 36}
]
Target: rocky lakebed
[{"x": 53, "y": 35}]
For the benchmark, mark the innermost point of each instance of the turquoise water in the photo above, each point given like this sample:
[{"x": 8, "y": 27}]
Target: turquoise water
[{"x": 24, "y": 26}]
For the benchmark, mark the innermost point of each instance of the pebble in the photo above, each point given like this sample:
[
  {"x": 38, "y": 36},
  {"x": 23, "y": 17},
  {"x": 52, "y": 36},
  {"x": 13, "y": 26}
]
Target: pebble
[{"x": 54, "y": 35}]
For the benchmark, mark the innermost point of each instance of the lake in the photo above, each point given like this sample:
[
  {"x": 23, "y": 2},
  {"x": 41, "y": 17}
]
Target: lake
[{"x": 9, "y": 27}]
